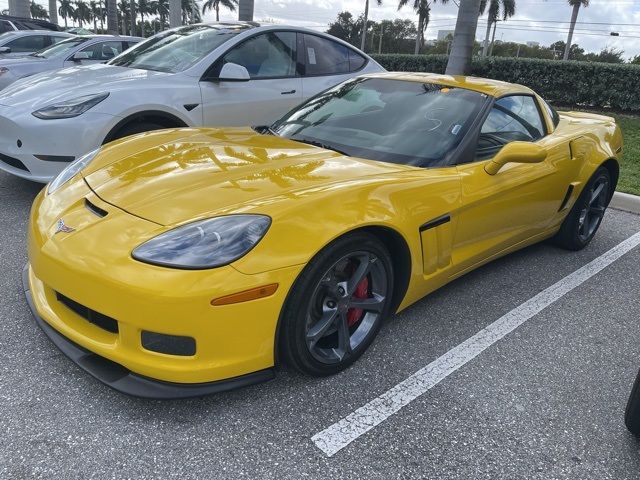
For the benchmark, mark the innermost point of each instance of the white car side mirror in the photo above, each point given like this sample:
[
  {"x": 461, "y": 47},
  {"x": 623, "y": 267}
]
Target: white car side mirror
[
  {"x": 232, "y": 72},
  {"x": 81, "y": 56}
]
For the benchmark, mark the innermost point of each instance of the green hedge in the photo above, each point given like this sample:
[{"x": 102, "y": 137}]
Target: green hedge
[{"x": 576, "y": 84}]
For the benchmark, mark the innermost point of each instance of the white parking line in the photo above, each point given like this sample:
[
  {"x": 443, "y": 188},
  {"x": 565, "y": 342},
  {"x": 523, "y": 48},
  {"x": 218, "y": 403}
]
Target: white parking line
[{"x": 342, "y": 433}]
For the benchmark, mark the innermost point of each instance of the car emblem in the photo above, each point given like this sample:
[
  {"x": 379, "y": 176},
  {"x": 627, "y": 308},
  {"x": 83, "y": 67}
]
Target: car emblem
[{"x": 61, "y": 227}]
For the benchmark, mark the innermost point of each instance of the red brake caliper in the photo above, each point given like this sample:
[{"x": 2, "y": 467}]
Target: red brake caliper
[{"x": 362, "y": 291}]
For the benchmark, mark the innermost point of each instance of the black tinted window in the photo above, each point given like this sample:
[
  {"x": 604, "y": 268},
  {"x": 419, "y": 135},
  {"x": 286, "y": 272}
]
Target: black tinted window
[
  {"x": 103, "y": 51},
  {"x": 356, "y": 61},
  {"x": 27, "y": 44},
  {"x": 266, "y": 56},
  {"x": 513, "y": 118},
  {"x": 5, "y": 26},
  {"x": 325, "y": 57}
]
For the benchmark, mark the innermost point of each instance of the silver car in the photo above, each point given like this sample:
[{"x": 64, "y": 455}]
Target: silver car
[
  {"x": 21, "y": 43},
  {"x": 71, "y": 52}
]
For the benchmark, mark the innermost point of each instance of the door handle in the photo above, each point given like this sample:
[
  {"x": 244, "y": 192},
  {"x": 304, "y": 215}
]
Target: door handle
[{"x": 290, "y": 92}]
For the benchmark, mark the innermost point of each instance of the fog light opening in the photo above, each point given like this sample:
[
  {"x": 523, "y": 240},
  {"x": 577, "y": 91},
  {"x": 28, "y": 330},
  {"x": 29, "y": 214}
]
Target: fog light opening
[{"x": 168, "y": 344}]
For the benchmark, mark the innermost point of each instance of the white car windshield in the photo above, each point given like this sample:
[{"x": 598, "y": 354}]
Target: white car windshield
[
  {"x": 60, "y": 49},
  {"x": 176, "y": 50},
  {"x": 396, "y": 121}
]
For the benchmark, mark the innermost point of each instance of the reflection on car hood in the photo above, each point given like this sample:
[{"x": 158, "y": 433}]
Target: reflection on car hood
[
  {"x": 48, "y": 87},
  {"x": 180, "y": 175}
]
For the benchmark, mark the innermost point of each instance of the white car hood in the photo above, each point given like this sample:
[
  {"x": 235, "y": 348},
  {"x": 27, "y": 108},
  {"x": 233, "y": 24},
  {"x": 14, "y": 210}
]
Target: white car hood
[{"x": 54, "y": 86}]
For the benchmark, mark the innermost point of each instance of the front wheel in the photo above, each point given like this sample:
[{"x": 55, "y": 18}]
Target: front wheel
[
  {"x": 584, "y": 219},
  {"x": 337, "y": 305}
]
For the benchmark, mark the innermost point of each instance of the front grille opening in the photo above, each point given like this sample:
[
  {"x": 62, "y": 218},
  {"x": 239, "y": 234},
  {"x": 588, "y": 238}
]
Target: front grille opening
[
  {"x": 13, "y": 162},
  {"x": 168, "y": 344},
  {"x": 95, "y": 209},
  {"x": 96, "y": 318}
]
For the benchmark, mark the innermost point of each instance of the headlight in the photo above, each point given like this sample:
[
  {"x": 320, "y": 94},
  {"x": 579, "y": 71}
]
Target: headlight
[
  {"x": 3, "y": 70},
  {"x": 205, "y": 244},
  {"x": 70, "y": 108},
  {"x": 71, "y": 170}
]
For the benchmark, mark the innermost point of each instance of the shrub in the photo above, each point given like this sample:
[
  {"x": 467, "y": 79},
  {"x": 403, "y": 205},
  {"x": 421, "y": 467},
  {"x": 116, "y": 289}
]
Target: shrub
[{"x": 577, "y": 84}]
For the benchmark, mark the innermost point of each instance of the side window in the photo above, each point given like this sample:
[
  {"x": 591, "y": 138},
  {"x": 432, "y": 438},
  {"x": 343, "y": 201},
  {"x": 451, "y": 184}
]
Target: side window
[
  {"x": 55, "y": 39},
  {"x": 5, "y": 26},
  {"x": 513, "y": 118},
  {"x": 103, "y": 51},
  {"x": 268, "y": 55},
  {"x": 325, "y": 57},
  {"x": 27, "y": 44},
  {"x": 552, "y": 113},
  {"x": 356, "y": 61}
]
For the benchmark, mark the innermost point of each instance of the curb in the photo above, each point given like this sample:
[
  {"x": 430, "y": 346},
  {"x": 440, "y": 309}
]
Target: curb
[{"x": 625, "y": 202}]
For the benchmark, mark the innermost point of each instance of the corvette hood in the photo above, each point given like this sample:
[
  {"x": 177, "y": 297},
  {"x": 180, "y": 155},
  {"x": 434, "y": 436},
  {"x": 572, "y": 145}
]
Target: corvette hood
[
  {"x": 48, "y": 87},
  {"x": 197, "y": 173}
]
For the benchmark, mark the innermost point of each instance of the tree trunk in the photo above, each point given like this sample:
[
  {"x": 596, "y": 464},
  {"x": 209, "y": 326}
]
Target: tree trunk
[
  {"x": 574, "y": 19},
  {"x": 95, "y": 25},
  {"x": 20, "y": 8},
  {"x": 493, "y": 38},
  {"x": 464, "y": 38},
  {"x": 217, "y": 12},
  {"x": 132, "y": 7},
  {"x": 175, "y": 13},
  {"x": 485, "y": 48},
  {"x": 65, "y": 22},
  {"x": 416, "y": 50},
  {"x": 141, "y": 24},
  {"x": 245, "y": 10},
  {"x": 53, "y": 11},
  {"x": 364, "y": 26},
  {"x": 112, "y": 17}
]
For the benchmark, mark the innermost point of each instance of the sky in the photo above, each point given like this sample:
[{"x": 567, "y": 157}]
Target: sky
[{"x": 544, "y": 21}]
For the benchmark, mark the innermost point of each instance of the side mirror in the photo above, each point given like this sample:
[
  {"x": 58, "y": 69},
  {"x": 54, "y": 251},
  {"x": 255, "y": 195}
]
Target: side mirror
[
  {"x": 5, "y": 49},
  {"x": 516, "y": 152},
  {"x": 232, "y": 72},
  {"x": 78, "y": 57}
]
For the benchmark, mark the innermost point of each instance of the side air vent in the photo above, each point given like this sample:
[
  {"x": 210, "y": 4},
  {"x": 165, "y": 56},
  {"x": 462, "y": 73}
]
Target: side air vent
[
  {"x": 95, "y": 209},
  {"x": 567, "y": 197}
]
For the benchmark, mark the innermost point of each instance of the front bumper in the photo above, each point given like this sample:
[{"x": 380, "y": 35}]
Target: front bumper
[
  {"x": 23, "y": 136},
  {"x": 93, "y": 266},
  {"x": 123, "y": 380}
]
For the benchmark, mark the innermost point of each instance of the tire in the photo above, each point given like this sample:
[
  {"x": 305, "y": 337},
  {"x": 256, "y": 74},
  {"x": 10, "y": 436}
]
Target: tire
[
  {"x": 632, "y": 412},
  {"x": 584, "y": 219},
  {"x": 322, "y": 331},
  {"x": 135, "y": 128}
]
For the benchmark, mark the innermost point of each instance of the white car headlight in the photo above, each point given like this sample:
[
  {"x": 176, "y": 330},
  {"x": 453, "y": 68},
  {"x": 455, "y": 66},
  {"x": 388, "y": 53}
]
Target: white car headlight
[
  {"x": 3, "y": 70},
  {"x": 70, "y": 108},
  {"x": 71, "y": 170},
  {"x": 205, "y": 244}
]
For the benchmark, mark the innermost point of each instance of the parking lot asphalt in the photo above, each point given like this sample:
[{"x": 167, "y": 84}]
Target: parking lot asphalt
[{"x": 545, "y": 402}]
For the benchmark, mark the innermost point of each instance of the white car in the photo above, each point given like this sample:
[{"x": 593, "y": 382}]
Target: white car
[
  {"x": 20, "y": 43},
  {"x": 74, "y": 51},
  {"x": 221, "y": 74}
]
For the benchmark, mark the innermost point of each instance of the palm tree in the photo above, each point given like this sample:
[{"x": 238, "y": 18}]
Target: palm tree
[
  {"x": 508, "y": 11},
  {"x": 190, "y": 12},
  {"x": 19, "y": 8},
  {"x": 66, "y": 10},
  {"x": 132, "y": 10},
  {"x": 112, "y": 17},
  {"x": 576, "y": 4},
  {"x": 215, "y": 5},
  {"x": 53, "y": 11},
  {"x": 175, "y": 13},
  {"x": 146, "y": 7},
  {"x": 83, "y": 12},
  {"x": 162, "y": 8},
  {"x": 95, "y": 14},
  {"x": 123, "y": 10},
  {"x": 366, "y": 21},
  {"x": 423, "y": 9},
  {"x": 38, "y": 11},
  {"x": 464, "y": 37},
  {"x": 245, "y": 10}
]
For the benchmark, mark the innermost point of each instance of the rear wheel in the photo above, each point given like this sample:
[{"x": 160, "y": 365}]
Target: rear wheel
[
  {"x": 337, "y": 306},
  {"x": 584, "y": 219}
]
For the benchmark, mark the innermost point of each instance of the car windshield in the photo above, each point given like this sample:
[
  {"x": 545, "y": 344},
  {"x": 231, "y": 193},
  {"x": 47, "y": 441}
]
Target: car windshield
[
  {"x": 396, "y": 121},
  {"x": 60, "y": 49},
  {"x": 176, "y": 50}
]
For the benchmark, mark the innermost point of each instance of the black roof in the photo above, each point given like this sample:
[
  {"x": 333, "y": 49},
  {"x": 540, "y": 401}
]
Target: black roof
[{"x": 31, "y": 23}]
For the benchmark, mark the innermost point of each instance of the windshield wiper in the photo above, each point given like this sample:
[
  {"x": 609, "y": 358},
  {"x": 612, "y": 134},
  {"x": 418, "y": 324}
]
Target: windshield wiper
[
  {"x": 321, "y": 145},
  {"x": 265, "y": 130}
]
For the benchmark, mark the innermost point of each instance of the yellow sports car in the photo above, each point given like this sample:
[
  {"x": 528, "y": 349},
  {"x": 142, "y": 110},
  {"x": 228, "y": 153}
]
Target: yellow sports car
[{"x": 183, "y": 262}]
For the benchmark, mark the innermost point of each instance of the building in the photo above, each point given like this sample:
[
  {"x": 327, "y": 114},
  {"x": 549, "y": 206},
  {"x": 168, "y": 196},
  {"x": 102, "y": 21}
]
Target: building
[{"x": 443, "y": 34}]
